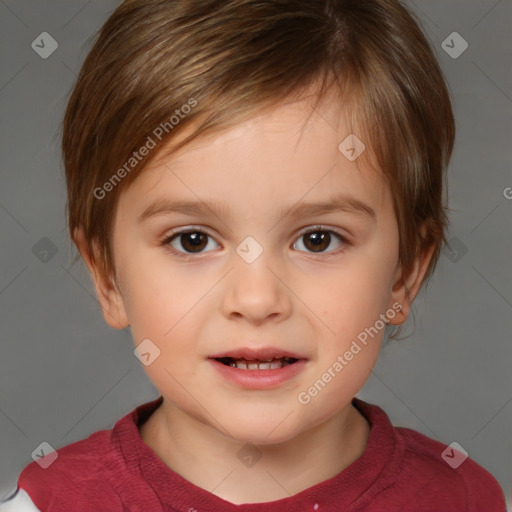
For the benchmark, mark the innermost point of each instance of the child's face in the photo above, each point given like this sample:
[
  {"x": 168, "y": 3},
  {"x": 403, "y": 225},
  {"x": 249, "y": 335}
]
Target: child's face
[{"x": 302, "y": 294}]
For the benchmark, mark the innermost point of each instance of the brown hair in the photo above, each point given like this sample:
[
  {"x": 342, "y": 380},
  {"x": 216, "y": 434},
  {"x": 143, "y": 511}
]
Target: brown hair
[{"x": 226, "y": 60}]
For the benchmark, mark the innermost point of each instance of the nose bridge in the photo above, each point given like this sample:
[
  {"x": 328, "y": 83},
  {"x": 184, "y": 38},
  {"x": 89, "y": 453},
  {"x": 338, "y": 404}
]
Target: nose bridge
[{"x": 254, "y": 289}]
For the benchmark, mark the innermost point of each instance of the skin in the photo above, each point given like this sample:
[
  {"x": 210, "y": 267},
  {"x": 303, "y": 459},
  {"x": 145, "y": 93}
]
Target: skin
[{"x": 312, "y": 303}]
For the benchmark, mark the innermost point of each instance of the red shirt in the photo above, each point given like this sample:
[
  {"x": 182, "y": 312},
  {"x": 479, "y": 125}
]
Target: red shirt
[{"x": 400, "y": 470}]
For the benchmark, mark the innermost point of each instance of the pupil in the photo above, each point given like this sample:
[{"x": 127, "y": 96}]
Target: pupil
[
  {"x": 318, "y": 239},
  {"x": 192, "y": 240}
]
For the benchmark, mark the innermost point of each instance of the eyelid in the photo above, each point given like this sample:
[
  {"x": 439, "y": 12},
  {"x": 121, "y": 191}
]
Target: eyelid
[
  {"x": 188, "y": 229},
  {"x": 323, "y": 227},
  {"x": 166, "y": 242},
  {"x": 344, "y": 239},
  {"x": 303, "y": 231}
]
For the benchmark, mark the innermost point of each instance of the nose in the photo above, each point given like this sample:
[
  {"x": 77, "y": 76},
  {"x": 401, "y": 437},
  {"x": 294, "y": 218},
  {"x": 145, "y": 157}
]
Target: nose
[{"x": 256, "y": 291}]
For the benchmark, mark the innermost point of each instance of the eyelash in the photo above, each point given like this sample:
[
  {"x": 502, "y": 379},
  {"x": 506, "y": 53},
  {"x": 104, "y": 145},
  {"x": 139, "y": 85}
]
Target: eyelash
[{"x": 193, "y": 229}]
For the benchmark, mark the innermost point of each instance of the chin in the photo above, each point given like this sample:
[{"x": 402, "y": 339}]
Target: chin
[{"x": 267, "y": 430}]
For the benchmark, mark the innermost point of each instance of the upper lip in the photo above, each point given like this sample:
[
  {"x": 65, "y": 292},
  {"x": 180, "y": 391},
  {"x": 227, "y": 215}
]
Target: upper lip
[{"x": 257, "y": 354}]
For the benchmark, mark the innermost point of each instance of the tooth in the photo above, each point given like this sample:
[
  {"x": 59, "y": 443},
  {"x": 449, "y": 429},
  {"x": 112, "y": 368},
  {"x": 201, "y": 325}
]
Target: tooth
[{"x": 269, "y": 364}]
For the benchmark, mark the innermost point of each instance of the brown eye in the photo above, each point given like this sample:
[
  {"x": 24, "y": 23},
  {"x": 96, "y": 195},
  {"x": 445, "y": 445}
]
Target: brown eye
[
  {"x": 191, "y": 242},
  {"x": 319, "y": 240}
]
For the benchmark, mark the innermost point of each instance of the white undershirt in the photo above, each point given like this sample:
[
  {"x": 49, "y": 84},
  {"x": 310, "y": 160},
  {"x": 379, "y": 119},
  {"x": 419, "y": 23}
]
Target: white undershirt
[{"x": 20, "y": 502}]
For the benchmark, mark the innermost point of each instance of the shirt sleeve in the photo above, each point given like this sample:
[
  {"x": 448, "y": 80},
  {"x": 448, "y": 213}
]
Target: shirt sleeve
[{"x": 19, "y": 502}]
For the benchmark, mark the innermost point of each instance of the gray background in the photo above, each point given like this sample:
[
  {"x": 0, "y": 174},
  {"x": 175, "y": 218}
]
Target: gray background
[{"x": 65, "y": 373}]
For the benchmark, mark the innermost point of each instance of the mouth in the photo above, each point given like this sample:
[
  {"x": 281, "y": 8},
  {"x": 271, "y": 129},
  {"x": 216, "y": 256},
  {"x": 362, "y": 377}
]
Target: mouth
[
  {"x": 257, "y": 364},
  {"x": 258, "y": 368}
]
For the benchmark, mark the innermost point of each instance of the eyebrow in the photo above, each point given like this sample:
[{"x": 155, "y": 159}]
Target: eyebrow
[{"x": 346, "y": 204}]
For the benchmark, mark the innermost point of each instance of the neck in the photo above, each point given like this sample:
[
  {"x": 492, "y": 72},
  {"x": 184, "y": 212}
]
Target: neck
[{"x": 256, "y": 474}]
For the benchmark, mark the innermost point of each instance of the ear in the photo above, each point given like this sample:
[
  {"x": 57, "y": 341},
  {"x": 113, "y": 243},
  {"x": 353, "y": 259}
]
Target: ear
[
  {"x": 107, "y": 291},
  {"x": 406, "y": 287}
]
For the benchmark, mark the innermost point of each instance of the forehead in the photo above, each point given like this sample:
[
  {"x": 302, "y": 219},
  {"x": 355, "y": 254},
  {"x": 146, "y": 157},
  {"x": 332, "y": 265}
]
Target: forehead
[{"x": 284, "y": 155}]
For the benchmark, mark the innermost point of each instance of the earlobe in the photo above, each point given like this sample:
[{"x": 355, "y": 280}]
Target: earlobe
[
  {"x": 107, "y": 291},
  {"x": 406, "y": 288}
]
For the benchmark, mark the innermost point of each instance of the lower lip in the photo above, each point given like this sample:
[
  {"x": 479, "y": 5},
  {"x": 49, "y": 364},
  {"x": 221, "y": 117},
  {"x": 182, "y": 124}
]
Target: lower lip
[{"x": 259, "y": 379}]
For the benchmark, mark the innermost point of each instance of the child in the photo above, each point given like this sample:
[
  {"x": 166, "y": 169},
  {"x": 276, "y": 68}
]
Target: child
[{"x": 257, "y": 188}]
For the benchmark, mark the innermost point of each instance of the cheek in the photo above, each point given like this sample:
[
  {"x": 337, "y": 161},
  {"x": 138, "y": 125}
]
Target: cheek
[
  {"x": 351, "y": 298},
  {"x": 167, "y": 309},
  {"x": 170, "y": 309},
  {"x": 156, "y": 292}
]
